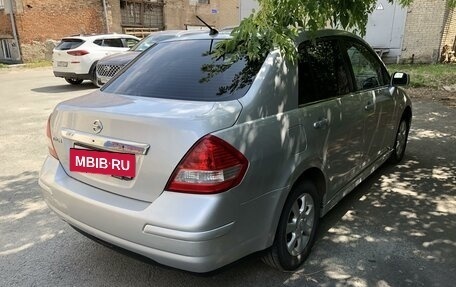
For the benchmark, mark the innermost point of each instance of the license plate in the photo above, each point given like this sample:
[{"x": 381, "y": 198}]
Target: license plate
[
  {"x": 101, "y": 162},
  {"x": 62, "y": 64}
]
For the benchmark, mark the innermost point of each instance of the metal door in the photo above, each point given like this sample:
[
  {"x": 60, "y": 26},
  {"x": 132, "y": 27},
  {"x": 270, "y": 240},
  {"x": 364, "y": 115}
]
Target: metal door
[{"x": 385, "y": 28}]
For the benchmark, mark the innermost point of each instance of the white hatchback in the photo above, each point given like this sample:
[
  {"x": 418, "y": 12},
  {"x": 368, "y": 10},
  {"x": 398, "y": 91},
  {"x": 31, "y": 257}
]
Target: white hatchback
[{"x": 75, "y": 58}]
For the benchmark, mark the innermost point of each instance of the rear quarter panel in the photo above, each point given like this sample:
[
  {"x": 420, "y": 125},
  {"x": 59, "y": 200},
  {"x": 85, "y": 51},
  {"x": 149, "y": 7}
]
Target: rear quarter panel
[{"x": 269, "y": 132}]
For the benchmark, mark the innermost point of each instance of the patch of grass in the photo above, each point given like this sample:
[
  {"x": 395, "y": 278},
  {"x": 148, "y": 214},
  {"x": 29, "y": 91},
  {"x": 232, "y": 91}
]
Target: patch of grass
[
  {"x": 38, "y": 64},
  {"x": 430, "y": 76},
  {"x": 3, "y": 66}
]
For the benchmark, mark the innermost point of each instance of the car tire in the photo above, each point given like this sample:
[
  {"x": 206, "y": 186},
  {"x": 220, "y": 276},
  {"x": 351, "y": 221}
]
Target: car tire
[
  {"x": 73, "y": 81},
  {"x": 400, "y": 142},
  {"x": 297, "y": 228}
]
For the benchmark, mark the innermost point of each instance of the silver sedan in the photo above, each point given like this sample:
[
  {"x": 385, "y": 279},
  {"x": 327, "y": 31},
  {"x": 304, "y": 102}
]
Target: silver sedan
[{"x": 196, "y": 162}]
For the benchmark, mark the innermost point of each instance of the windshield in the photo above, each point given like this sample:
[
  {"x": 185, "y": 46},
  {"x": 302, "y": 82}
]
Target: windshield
[
  {"x": 150, "y": 41},
  {"x": 185, "y": 70}
]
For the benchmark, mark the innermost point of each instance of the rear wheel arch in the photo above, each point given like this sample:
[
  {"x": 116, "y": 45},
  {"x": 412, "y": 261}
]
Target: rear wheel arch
[
  {"x": 313, "y": 174},
  {"x": 313, "y": 182},
  {"x": 317, "y": 177}
]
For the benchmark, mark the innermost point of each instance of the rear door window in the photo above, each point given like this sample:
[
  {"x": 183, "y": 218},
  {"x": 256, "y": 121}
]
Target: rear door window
[
  {"x": 113, "y": 43},
  {"x": 185, "y": 70},
  {"x": 69, "y": 44}
]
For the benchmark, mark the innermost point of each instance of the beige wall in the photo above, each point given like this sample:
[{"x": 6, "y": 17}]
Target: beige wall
[
  {"x": 423, "y": 31},
  {"x": 218, "y": 13},
  {"x": 114, "y": 18}
]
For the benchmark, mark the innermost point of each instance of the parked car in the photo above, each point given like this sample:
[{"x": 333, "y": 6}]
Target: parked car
[
  {"x": 196, "y": 164},
  {"x": 75, "y": 58},
  {"x": 109, "y": 66}
]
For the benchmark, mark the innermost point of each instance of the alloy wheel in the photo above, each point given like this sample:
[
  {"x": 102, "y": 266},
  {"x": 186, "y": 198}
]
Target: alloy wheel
[
  {"x": 401, "y": 139},
  {"x": 300, "y": 222}
]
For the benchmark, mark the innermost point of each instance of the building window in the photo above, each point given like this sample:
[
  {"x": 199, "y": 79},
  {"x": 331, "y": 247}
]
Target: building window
[
  {"x": 5, "y": 51},
  {"x": 203, "y": 1},
  {"x": 2, "y": 5},
  {"x": 140, "y": 13}
]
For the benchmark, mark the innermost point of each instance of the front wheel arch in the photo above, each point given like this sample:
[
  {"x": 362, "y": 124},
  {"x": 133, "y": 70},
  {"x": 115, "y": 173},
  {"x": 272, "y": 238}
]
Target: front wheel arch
[
  {"x": 407, "y": 114},
  {"x": 406, "y": 118},
  {"x": 93, "y": 73}
]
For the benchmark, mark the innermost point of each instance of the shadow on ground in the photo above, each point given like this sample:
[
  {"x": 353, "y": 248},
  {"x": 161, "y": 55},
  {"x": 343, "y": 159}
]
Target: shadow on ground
[{"x": 65, "y": 88}]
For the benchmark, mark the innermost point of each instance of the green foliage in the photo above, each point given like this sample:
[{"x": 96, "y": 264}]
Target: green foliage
[{"x": 278, "y": 22}]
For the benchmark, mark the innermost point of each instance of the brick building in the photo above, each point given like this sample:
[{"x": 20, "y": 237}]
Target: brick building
[
  {"x": 421, "y": 30},
  {"x": 37, "y": 24},
  {"x": 430, "y": 24}
]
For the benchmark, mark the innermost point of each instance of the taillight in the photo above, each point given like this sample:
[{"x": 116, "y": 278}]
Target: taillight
[
  {"x": 49, "y": 138},
  {"x": 210, "y": 166},
  {"x": 78, "y": 52}
]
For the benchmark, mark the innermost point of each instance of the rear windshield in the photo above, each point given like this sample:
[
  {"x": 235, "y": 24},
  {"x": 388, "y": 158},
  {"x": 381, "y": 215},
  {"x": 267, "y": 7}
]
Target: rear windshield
[
  {"x": 68, "y": 44},
  {"x": 184, "y": 70}
]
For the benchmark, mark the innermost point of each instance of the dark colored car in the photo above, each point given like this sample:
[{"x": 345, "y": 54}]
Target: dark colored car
[{"x": 109, "y": 66}]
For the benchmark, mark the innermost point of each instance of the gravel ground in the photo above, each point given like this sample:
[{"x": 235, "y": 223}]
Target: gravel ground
[{"x": 446, "y": 98}]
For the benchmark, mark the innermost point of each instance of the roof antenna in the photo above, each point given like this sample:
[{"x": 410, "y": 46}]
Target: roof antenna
[{"x": 212, "y": 31}]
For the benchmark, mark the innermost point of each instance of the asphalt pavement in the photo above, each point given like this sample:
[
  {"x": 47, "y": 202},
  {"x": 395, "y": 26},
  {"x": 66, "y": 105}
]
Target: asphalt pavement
[{"x": 398, "y": 228}]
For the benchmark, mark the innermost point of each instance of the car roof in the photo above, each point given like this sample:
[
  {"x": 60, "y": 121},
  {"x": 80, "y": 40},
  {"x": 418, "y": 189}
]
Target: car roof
[
  {"x": 307, "y": 35},
  {"x": 172, "y": 33},
  {"x": 302, "y": 36},
  {"x": 177, "y": 32},
  {"x": 200, "y": 36},
  {"x": 101, "y": 36}
]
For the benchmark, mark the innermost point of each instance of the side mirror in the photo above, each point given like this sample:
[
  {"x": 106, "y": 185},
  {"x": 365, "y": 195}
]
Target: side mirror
[{"x": 400, "y": 79}]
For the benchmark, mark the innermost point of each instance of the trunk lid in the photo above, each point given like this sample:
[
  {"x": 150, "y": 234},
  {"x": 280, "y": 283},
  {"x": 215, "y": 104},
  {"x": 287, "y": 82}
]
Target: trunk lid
[{"x": 158, "y": 131}]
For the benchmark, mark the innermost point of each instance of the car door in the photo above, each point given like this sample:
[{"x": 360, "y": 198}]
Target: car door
[
  {"x": 332, "y": 115},
  {"x": 371, "y": 83}
]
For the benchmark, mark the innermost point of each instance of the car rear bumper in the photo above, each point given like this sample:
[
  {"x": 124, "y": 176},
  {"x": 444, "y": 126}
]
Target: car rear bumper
[
  {"x": 126, "y": 223},
  {"x": 68, "y": 75}
]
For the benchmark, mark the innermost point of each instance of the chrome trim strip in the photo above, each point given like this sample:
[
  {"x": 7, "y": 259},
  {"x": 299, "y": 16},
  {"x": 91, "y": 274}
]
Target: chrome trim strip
[{"x": 105, "y": 143}]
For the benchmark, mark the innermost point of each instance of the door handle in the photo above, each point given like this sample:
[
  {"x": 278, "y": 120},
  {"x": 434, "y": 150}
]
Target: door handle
[{"x": 321, "y": 124}]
